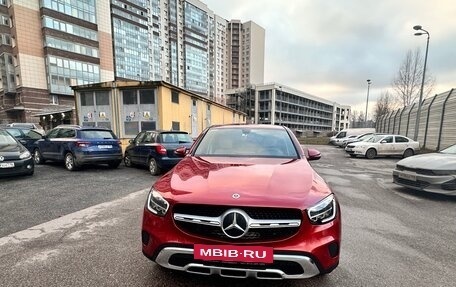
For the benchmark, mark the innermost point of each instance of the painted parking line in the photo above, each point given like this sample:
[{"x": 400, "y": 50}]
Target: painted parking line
[{"x": 68, "y": 221}]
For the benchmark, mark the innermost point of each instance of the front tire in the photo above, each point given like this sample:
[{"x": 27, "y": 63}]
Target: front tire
[
  {"x": 127, "y": 160},
  {"x": 371, "y": 153},
  {"x": 38, "y": 157},
  {"x": 70, "y": 163},
  {"x": 153, "y": 167}
]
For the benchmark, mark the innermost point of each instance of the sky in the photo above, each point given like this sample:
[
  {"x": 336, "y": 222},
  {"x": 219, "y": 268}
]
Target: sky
[{"x": 329, "y": 48}]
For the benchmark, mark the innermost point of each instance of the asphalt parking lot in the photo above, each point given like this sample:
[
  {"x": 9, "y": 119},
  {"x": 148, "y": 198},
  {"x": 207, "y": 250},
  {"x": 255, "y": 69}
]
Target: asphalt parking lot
[{"x": 61, "y": 228}]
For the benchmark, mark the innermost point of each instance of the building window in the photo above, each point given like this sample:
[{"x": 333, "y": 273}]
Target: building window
[
  {"x": 131, "y": 128},
  {"x": 175, "y": 97},
  {"x": 129, "y": 97},
  {"x": 146, "y": 97},
  {"x": 86, "y": 99},
  {"x": 148, "y": 126},
  {"x": 102, "y": 98},
  {"x": 176, "y": 126},
  {"x": 54, "y": 100}
]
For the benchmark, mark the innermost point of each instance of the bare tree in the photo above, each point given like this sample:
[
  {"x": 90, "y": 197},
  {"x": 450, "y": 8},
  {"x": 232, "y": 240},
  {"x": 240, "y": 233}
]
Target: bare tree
[
  {"x": 384, "y": 105},
  {"x": 407, "y": 83}
]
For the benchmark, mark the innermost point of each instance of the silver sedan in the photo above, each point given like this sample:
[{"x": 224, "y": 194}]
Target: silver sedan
[{"x": 432, "y": 172}]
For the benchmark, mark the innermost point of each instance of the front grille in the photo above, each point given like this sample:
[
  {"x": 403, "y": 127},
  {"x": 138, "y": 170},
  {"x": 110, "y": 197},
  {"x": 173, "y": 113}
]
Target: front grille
[
  {"x": 416, "y": 170},
  {"x": 418, "y": 183},
  {"x": 253, "y": 234},
  {"x": 289, "y": 267}
]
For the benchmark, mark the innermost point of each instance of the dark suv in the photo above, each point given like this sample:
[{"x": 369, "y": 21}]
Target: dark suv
[
  {"x": 156, "y": 149},
  {"x": 76, "y": 146}
]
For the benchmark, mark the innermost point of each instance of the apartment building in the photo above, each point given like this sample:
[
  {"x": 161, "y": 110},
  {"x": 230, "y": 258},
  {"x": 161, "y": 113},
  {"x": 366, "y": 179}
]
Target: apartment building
[
  {"x": 246, "y": 54},
  {"x": 188, "y": 46},
  {"x": 278, "y": 104},
  {"x": 46, "y": 47}
]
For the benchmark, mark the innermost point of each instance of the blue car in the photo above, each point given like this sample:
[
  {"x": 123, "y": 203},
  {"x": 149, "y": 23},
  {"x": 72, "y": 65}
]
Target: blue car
[
  {"x": 27, "y": 137},
  {"x": 76, "y": 146},
  {"x": 156, "y": 149}
]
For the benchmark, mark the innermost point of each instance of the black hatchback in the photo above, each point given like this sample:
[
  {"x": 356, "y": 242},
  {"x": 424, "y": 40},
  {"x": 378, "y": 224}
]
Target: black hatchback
[
  {"x": 15, "y": 159},
  {"x": 156, "y": 149}
]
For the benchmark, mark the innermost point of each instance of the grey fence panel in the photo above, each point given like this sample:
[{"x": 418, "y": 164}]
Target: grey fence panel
[
  {"x": 435, "y": 121},
  {"x": 390, "y": 122},
  {"x": 397, "y": 119},
  {"x": 423, "y": 119},
  {"x": 448, "y": 136},
  {"x": 437, "y": 128},
  {"x": 405, "y": 120}
]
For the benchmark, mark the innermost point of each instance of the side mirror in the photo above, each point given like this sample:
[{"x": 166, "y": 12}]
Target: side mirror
[
  {"x": 181, "y": 151},
  {"x": 23, "y": 141},
  {"x": 313, "y": 154},
  {"x": 383, "y": 141}
]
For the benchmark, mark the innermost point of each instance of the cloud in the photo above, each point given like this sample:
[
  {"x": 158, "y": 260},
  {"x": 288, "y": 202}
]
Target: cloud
[{"x": 330, "y": 48}]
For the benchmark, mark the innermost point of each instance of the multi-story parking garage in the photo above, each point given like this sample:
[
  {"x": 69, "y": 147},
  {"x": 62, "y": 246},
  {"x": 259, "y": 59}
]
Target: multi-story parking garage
[{"x": 280, "y": 105}]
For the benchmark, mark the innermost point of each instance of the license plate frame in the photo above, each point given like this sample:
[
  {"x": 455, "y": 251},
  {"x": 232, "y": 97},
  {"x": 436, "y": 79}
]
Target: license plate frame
[
  {"x": 234, "y": 253},
  {"x": 407, "y": 176},
  {"x": 104, "y": 146},
  {"x": 7, "y": 165}
]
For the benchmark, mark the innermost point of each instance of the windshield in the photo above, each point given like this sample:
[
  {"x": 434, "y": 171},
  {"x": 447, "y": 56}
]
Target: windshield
[
  {"x": 449, "y": 150},
  {"x": 6, "y": 139},
  {"x": 247, "y": 142}
]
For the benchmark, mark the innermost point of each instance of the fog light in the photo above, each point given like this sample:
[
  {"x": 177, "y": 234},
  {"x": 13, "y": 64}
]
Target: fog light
[
  {"x": 145, "y": 237},
  {"x": 29, "y": 166},
  {"x": 333, "y": 248}
]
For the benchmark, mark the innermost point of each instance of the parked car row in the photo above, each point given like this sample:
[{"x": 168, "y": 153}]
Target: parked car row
[
  {"x": 76, "y": 146},
  {"x": 430, "y": 172}
]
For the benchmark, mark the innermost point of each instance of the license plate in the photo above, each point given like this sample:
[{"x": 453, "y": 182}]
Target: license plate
[
  {"x": 6, "y": 164},
  {"x": 104, "y": 146},
  {"x": 408, "y": 176},
  {"x": 233, "y": 253}
]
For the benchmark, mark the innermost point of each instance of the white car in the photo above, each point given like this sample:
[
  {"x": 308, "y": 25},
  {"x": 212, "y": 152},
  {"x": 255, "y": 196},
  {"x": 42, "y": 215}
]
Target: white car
[{"x": 383, "y": 145}]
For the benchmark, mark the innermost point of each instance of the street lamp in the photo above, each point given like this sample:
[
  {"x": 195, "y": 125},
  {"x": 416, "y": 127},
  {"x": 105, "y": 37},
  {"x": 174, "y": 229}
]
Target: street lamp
[
  {"x": 418, "y": 113},
  {"x": 367, "y": 103}
]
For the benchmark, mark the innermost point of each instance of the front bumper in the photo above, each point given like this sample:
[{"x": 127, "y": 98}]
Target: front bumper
[
  {"x": 444, "y": 184},
  {"x": 286, "y": 266},
  {"x": 25, "y": 166},
  {"x": 313, "y": 250}
]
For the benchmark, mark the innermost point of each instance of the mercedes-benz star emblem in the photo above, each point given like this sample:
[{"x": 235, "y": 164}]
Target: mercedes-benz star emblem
[
  {"x": 2, "y": 158},
  {"x": 236, "y": 195},
  {"x": 235, "y": 223}
]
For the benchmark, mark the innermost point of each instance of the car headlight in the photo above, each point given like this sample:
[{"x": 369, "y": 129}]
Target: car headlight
[
  {"x": 25, "y": 154},
  {"x": 324, "y": 211},
  {"x": 156, "y": 203}
]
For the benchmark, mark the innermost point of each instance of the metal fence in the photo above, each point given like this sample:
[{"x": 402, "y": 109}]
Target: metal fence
[{"x": 437, "y": 127}]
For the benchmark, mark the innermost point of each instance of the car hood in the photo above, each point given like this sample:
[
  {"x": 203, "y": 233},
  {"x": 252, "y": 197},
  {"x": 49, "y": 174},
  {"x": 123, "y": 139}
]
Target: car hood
[
  {"x": 11, "y": 151},
  {"x": 432, "y": 161},
  {"x": 290, "y": 183}
]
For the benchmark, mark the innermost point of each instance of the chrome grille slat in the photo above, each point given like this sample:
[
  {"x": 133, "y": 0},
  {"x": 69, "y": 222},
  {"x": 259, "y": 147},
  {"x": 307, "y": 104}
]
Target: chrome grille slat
[{"x": 261, "y": 223}]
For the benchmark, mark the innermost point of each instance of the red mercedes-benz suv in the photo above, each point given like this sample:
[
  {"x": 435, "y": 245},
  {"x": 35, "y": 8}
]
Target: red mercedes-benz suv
[{"x": 244, "y": 202}]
